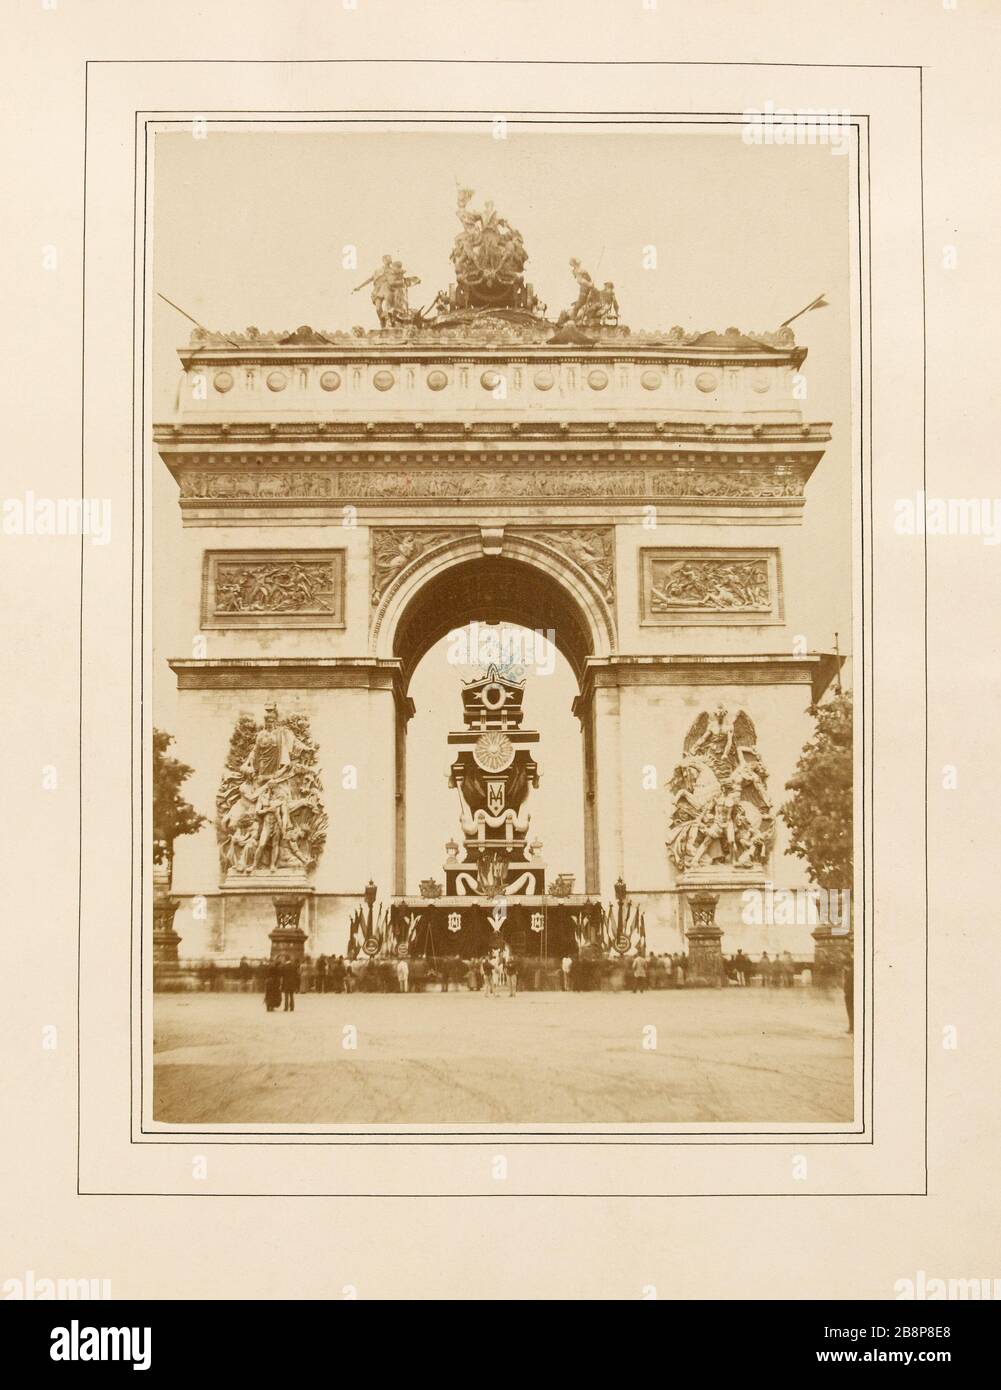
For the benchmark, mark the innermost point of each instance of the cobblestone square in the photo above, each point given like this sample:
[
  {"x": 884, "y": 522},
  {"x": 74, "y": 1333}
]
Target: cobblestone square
[{"x": 735, "y": 1056}]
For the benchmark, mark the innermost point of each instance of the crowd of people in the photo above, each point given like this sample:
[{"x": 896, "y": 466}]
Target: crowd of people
[{"x": 497, "y": 972}]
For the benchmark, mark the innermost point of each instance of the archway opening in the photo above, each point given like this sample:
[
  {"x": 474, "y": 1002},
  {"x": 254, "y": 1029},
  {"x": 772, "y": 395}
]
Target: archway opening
[
  {"x": 493, "y": 610},
  {"x": 432, "y": 807},
  {"x": 492, "y": 589}
]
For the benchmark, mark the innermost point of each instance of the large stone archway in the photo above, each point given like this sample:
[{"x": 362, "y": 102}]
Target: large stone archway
[{"x": 639, "y": 494}]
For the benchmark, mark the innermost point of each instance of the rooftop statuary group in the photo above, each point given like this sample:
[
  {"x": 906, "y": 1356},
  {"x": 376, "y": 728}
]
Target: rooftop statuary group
[{"x": 489, "y": 259}]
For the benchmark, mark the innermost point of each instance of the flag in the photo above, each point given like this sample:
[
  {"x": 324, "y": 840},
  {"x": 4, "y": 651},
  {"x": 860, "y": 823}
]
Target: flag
[{"x": 821, "y": 302}]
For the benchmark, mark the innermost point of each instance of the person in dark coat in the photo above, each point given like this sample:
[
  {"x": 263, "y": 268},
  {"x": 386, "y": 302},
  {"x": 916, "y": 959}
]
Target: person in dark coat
[
  {"x": 337, "y": 975},
  {"x": 290, "y": 984},
  {"x": 321, "y": 975},
  {"x": 273, "y": 984}
]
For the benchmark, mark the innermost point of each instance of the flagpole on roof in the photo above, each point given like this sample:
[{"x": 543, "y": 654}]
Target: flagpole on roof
[{"x": 819, "y": 303}]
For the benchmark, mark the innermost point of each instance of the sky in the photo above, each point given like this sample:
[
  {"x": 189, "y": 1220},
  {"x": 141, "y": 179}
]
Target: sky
[{"x": 250, "y": 228}]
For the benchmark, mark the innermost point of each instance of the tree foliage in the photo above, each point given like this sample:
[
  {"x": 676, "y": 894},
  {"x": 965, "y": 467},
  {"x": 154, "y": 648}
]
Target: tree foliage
[
  {"x": 819, "y": 812},
  {"x": 172, "y": 815}
]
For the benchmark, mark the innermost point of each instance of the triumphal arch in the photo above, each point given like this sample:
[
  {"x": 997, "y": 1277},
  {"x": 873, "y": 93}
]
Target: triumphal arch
[{"x": 349, "y": 497}]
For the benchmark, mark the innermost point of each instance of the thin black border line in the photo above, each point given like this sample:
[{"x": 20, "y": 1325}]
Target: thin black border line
[
  {"x": 142, "y": 601},
  {"x": 83, "y": 493},
  {"x": 538, "y": 1138},
  {"x": 470, "y": 1140},
  {"x": 516, "y": 62},
  {"x": 519, "y": 62},
  {"x": 515, "y": 1196},
  {"x": 317, "y": 115},
  {"x": 132, "y": 667},
  {"x": 924, "y": 546},
  {"x": 867, "y": 686},
  {"x": 606, "y": 1146},
  {"x": 531, "y": 1136}
]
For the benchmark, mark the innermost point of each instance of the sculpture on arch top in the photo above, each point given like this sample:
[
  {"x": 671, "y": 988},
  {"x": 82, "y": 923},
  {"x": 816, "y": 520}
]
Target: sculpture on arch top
[
  {"x": 489, "y": 257},
  {"x": 390, "y": 293},
  {"x": 594, "y": 307}
]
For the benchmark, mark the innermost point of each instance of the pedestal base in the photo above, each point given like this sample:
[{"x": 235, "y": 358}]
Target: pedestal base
[
  {"x": 705, "y": 951},
  {"x": 165, "y": 939},
  {"x": 705, "y": 957},
  {"x": 165, "y": 946},
  {"x": 287, "y": 937},
  {"x": 289, "y": 942},
  {"x": 831, "y": 953},
  {"x": 722, "y": 878},
  {"x": 267, "y": 881}
]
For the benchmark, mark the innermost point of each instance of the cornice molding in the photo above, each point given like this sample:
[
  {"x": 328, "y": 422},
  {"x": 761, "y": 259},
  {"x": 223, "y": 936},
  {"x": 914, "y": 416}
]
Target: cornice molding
[
  {"x": 290, "y": 673},
  {"x": 425, "y": 435},
  {"x": 813, "y": 669}
]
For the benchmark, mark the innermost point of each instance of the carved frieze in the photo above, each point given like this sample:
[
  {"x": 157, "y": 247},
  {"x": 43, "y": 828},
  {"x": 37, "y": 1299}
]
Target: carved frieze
[
  {"x": 273, "y": 588},
  {"x": 510, "y": 485},
  {"x": 709, "y": 586},
  {"x": 225, "y": 485},
  {"x": 726, "y": 484}
]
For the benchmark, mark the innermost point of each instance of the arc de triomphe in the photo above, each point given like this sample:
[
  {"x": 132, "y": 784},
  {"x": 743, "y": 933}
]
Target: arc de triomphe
[{"x": 347, "y": 498}]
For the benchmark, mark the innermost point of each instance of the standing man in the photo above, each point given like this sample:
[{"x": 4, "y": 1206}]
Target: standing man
[
  {"x": 512, "y": 976},
  {"x": 273, "y": 984},
  {"x": 403, "y": 975},
  {"x": 566, "y": 965},
  {"x": 639, "y": 975},
  {"x": 488, "y": 975},
  {"x": 290, "y": 984},
  {"x": 321, "y": 975}
]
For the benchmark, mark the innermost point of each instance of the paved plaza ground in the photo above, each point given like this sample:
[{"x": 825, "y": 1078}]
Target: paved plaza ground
[{"x": 736, "y": 1055}]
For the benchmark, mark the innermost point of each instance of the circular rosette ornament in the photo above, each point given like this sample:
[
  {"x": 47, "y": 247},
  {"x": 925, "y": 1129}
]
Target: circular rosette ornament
[{"x": 493, "y": 751}]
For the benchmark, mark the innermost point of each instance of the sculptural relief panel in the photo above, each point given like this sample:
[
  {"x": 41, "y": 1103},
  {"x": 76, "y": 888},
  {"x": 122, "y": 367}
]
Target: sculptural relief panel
[
  {"x": 710, "y": 587},
  {"x": 273, "y": 588}
]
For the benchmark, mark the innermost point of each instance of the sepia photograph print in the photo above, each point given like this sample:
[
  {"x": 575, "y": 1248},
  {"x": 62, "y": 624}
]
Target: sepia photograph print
[
  {"x": 505, "y": 616},
  {"x": 499, "y": 572}
]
